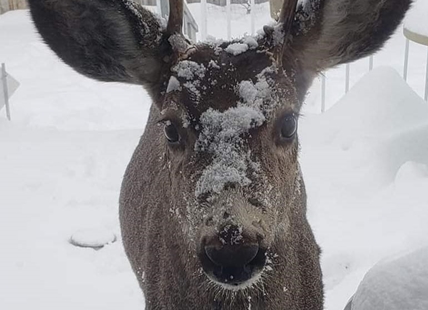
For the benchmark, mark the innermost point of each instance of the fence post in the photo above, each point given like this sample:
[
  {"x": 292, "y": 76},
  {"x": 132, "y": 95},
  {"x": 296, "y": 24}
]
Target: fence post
[
  {"x": 203, "y": 20},
  {"x": 158, "y": 7},
  {"x": 253, "y": 17},
  {"x": 229, "y": 19},
  {"x": 5, "y": 90},
  {"x": 348, "y": 76},
  {"x": 371, "y": 63},
  {"x": 426, "y": 80},
  {"x": 406, "y": 59},
  {"x": 323, "y": 85}
]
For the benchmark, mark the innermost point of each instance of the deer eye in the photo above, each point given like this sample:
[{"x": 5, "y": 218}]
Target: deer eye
[
  {"x": 288, "y": 126},
  {"x": 171, "y": 132}
]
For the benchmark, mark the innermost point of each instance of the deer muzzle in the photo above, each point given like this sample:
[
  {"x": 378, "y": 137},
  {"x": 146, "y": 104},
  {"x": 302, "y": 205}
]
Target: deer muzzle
[{"x": 233, "y": 257}]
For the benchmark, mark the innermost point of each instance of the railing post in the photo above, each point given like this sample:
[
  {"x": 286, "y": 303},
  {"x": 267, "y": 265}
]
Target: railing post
[
  {"x": 253, "y": 17},
  {"x": 5, "y": 90},
  {"x": 323, "y": 85},
  {"x": 348, "y": 76},
  {"x": 406, "y": 59},
  {"x": 203, "y": 20},
  {"x": 229, "y": 19},
  {"x": 426, "y": 80}
]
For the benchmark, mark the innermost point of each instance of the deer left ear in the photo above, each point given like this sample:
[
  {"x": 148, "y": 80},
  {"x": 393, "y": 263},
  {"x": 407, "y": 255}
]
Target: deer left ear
[
  {"x": 107, "y": 40},
  {"x": 334, "y": 32}
]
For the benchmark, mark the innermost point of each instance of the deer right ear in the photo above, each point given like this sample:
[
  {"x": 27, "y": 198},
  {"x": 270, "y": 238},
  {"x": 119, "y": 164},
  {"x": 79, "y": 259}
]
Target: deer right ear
[
  {"x": 333, "y": 32},
  {"x": 107, "y": 40}
]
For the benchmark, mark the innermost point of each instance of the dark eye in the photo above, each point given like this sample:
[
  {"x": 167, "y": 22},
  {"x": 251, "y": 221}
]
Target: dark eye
[
  {"x": 288, "y": 126},
  {"x": 171, "y": 132}
]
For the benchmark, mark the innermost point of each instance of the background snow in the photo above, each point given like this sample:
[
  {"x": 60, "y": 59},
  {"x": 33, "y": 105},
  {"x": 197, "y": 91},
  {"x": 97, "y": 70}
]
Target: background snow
[
  {"x": 416, "y": 19},
  {"x": 395, "y": 284},
  {"x": 63, "y": 157}
]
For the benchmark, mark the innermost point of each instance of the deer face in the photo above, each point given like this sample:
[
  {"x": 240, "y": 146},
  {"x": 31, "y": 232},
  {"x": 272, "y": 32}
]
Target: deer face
[
  {"x": 230, "y": 126},
  {"x": 225, "y": 144}
]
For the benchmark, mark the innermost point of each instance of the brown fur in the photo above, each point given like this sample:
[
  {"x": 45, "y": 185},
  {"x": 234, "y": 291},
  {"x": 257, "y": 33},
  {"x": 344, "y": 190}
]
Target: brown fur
[{"x": 169, "y": 224}]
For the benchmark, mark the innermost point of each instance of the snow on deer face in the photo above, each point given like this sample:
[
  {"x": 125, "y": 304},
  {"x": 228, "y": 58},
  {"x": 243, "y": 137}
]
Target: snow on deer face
[{"x": 230, "y": 118}]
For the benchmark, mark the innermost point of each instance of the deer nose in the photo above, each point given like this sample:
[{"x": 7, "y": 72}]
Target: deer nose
[{"x": 232, "y": 255}]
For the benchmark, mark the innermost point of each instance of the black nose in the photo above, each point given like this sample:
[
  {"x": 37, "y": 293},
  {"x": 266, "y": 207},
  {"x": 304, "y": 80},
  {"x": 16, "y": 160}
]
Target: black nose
[{"x": 232, "y": 255}]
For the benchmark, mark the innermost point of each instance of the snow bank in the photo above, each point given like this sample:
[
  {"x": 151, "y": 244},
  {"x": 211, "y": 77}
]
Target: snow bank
[
  {"x": 380, "y": 104},
  {"x": 395, "y": 284},
  {"x": 380, "y": 124}
]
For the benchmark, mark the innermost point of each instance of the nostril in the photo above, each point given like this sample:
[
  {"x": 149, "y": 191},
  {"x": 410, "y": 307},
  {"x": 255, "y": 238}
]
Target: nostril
[{"x": 232, "y": 255}]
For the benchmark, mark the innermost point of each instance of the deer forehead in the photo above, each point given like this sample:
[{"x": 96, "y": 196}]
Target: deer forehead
[{"x": 224, "y": 79}]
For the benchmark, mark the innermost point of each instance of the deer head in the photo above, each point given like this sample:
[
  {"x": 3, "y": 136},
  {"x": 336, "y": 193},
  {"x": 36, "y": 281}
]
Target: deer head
[{"x": 213, "y": 198}]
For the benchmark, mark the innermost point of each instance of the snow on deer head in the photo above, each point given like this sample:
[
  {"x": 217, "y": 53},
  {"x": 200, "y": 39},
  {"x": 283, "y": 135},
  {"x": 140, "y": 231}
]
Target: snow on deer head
[{"x": 213, "y": 205}]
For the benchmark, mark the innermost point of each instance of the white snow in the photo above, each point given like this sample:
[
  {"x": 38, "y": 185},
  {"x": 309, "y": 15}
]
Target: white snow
[
  {"x": 250, "y": 41},
  {"x": 395, "y": 284},
  {"x": 222, "y": 136},
  {"x": 416, "y": 19},
  {"x": 189, "y": 70},
  {"x": 92, "y": 238},
  {"x": 236, "y": 48},
  {"x": 63, "y": 156}
]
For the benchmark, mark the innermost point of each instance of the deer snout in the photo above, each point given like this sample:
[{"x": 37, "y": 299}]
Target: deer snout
[{"x": 232, "y": 257}]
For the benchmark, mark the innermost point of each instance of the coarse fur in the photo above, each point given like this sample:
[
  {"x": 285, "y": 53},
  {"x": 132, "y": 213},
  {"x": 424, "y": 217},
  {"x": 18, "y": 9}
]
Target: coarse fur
[{"x": 216, "y": 219}]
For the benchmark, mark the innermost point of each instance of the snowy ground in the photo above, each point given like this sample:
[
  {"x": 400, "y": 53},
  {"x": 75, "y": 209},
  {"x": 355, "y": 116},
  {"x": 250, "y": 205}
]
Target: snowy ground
[{"x": 62, "y": 158}]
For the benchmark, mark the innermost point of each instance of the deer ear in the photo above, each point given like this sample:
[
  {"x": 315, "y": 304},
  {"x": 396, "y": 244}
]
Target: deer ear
[
  {"x": 333, "y": 32},
  {"x": 107, "y": 40}
]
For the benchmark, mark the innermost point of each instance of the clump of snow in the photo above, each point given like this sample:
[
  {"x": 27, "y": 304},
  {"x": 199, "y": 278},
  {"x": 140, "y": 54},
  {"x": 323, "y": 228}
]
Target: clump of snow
[
  {"x": 395, "y": 284},
  {"x": 193, "y": 73},
  {"x": 222, "y": 136},
  {"x": 92, "y": 238},
  {"x": 236, "y": 48},
  {"x": 251, "y": 42},
  {"x": 173, "y": 85},
  {"x": 189, "y": 70},
  {"x": 213, "y": 64},
  {"x": 241, "y": 47}
]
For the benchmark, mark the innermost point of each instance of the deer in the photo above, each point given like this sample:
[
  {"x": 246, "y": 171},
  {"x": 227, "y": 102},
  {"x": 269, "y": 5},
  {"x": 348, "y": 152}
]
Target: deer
[{"x": 212, "y": 207}]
